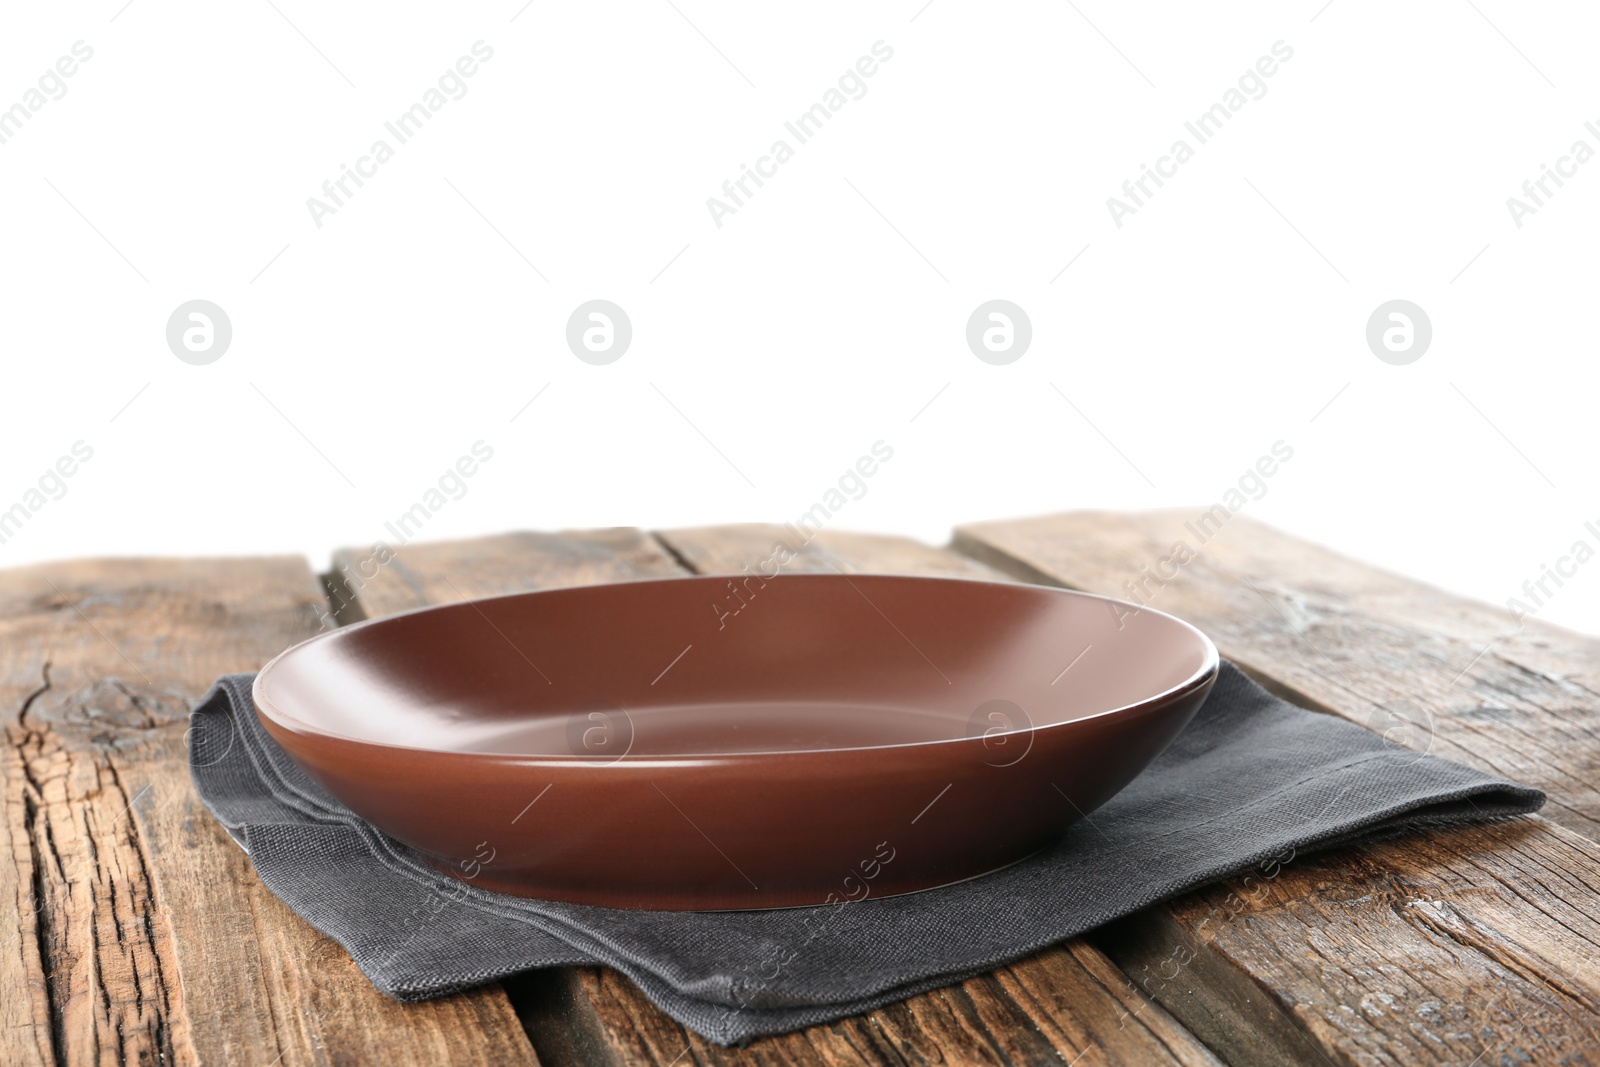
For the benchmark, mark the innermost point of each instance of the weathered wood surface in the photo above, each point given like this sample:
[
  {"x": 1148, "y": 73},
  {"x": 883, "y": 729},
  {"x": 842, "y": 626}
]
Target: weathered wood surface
[
  {"x": 1069, "y": 1003},
  {"x": 442, "y": 572},
  {"x": 1438, "y": 672},
  {"x": 1474, "y": 945},
  {"x": 730, "y": 549},
  {"x": 1437, "y": 949},
  {"x": 1050, "y": 1009},
  {"x": 144, "y": 935}
]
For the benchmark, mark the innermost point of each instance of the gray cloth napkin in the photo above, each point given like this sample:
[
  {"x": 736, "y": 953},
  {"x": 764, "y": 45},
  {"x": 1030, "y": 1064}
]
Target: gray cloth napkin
[{"x": 1250, "y": 783}]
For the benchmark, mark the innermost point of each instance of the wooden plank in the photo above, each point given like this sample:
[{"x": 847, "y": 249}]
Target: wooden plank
[
  {"x": 145, "y": 935},
  {"x": 1453, "y": 946},
  {"x": 27, "y": 1038},
  {"x": 1436, "y": 671},
  {"x": 1465, "y": 946},
  {"x": 368, "y": 583},
  {"x": 1051, "y": 1009},
  {"x": 732, "y": 549},
  {"x": 1066, "y": 1004}
]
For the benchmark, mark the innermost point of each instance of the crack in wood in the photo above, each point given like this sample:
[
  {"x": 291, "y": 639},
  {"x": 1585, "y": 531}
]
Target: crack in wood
[
  {"x": 672, "y": 550},
  {"x": 27, "y": 701},
  {"x": 34, "y": 828},
  {"x": 94, "y": 955}
]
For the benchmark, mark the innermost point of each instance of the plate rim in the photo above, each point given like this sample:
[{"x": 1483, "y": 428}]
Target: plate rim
[{"x": 273, "y": 716}]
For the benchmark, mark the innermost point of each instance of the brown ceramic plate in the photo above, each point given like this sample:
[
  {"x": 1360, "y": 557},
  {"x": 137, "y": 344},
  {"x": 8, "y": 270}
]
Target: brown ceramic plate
[{"x": 707, "y": 743}]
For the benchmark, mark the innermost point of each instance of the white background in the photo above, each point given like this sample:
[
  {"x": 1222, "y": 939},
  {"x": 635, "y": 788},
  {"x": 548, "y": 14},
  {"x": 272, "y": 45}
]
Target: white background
[{"x": 1223, "y": 316}]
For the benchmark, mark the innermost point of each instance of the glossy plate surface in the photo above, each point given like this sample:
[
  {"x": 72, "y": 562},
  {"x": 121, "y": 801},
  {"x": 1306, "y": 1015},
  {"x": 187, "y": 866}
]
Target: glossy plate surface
[{"x": 714, "y": 743}]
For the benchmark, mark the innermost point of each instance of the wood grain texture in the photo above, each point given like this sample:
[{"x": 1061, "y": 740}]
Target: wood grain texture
[
  {"x": 145, "y": 936},
  {"x": 1067, "y": 1004},
  {"x": 732, "y": 549},
  {"x": 142, "y": 934},
  {"x": 1438, "y": 948},
  {"x": 27, "y": 1034},
  {"x": 1453, "y": 946},
  {"x": 1052, "y": 1009},
  {"x": 1435, "y": 671},
  {"x": 365, "y": 584}
]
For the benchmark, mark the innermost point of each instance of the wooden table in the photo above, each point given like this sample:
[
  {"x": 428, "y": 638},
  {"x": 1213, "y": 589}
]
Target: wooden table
[{"x": 141, "y": 935}]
